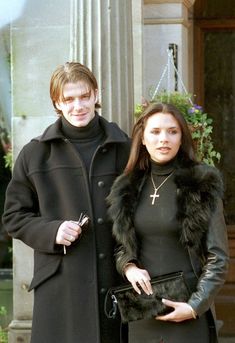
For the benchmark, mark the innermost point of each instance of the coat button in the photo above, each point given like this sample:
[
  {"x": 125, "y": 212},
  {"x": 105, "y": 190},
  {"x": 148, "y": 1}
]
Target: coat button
[
  {"x": 101, "y": 256},
  {"x": 100, "y": 220},
  {"x": 101, "y": 184},
  {"x": 103, "y": 290}
]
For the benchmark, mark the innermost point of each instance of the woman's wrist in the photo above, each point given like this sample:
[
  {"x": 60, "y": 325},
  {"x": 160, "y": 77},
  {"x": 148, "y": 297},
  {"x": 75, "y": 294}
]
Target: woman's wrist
[
  {"x": 128, "y": 265},
  {"x": 193, "y": 312}
]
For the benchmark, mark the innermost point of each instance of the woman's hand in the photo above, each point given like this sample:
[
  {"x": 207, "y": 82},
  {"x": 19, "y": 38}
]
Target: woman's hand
[
  {"x": 139, "y": 278},
  {"x": 68, "y": 232},
  {"x": 182, "y": 311}
]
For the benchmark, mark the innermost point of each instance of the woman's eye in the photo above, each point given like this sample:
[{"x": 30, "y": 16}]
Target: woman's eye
[
  {"x": 173, "y": 132},
  {"x": 155, "y": 132}
]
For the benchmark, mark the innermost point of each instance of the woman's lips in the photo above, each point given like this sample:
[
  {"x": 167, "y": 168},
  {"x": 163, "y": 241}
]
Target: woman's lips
[{"x": 164, "y": 149}]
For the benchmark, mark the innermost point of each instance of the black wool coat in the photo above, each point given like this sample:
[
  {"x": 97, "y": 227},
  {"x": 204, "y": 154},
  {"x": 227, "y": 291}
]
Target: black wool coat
[
  {"x": 200, "y": 217},
  {"x": 50, "y": 185}
]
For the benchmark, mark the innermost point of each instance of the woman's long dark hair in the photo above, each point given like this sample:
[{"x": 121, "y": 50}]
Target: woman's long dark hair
[{"x": 139, "y": 157}]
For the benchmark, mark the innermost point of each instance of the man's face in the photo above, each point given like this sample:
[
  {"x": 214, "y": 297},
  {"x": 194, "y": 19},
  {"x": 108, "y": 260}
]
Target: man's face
[{"x": 78, "y": 106}]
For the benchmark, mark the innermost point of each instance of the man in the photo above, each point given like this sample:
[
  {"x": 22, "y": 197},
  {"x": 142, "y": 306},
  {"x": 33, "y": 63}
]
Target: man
[{"x": 58, "y": 178}]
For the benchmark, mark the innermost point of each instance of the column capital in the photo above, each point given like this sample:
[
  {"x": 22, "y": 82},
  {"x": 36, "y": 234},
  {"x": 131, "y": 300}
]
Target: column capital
[{"x": 187, "y": 3}]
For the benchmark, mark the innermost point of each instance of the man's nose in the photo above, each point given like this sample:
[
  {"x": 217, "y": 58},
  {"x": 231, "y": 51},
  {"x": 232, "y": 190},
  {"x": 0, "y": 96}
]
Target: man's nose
[{"x": 77, "y": 103}]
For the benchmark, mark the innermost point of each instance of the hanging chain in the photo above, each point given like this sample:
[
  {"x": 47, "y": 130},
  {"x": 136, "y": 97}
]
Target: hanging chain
[{"x": 170, "y": 61}]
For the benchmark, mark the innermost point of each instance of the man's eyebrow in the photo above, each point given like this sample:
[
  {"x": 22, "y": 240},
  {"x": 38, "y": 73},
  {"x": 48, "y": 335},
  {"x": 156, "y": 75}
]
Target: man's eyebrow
[
  {"x": 87, "y": 92},
  {"x": 73, "y": 96}
]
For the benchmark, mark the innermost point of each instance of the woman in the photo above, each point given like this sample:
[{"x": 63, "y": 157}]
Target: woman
[{"x": 167, "y": 216}]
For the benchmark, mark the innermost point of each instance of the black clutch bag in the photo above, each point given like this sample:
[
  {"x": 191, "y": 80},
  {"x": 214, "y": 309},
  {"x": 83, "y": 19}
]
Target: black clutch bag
[{"x": 133, "y": 306}]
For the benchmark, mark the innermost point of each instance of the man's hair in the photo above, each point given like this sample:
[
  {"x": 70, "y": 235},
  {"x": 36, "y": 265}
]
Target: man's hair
[{"x": 70, "y": 72}]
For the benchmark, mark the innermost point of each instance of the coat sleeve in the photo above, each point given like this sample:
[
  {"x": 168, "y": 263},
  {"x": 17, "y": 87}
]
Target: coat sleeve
[
  {"x": 215, "y": 267},
  {"x": 21, "y": 217}
]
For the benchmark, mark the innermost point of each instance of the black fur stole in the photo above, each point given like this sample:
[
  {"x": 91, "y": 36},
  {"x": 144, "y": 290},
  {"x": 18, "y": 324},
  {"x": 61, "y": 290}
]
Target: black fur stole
[{"x": 198, "y": 190}]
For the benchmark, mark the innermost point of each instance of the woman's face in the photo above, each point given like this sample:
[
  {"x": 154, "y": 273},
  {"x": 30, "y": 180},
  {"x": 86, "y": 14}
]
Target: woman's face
[{"x": 162, "y": 137}]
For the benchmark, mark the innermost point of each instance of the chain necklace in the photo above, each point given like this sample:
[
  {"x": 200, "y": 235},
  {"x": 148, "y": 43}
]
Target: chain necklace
[{"x": 155, "y": 194}]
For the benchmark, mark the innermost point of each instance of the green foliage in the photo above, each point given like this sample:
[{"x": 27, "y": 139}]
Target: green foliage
[
  {"x": 5, "y": 141},
  {"x": 3, "y": 311},
  {"x": 199, "y": 122},
  {"x": 3, "y": 336},
  {"x": 3, "y": 332},
  {"x": 8, "y": 157}
]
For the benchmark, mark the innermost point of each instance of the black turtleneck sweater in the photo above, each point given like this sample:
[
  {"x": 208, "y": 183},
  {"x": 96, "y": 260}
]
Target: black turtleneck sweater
[
  {"x": 158, "y": 233},
  {"x": 85, "y": 139}
]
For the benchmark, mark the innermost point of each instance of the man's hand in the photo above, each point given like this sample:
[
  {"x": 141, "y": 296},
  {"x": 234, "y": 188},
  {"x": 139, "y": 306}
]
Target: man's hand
[{"x": 68, "y": 232}]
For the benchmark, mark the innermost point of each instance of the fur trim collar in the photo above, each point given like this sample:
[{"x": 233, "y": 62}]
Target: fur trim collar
[{"x": 198, "y": 190}]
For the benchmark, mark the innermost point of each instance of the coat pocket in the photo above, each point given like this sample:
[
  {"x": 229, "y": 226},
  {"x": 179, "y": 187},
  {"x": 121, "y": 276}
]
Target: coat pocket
[{"x": 44, "y": 273}]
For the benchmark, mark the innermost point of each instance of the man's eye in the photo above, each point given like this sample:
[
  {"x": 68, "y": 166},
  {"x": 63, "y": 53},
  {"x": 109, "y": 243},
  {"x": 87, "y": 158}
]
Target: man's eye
[
  {"x": 68, "y": 100},
  {"x": 86, "y": 96}
]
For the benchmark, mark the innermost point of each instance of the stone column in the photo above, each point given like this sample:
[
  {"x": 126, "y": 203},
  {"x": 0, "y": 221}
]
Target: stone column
[
  {"x": 97, "y": 33},
  {"x": 102, "y": 39},
  {"x": 166, "y": 22},
  {"x": 137, "y": 15}
]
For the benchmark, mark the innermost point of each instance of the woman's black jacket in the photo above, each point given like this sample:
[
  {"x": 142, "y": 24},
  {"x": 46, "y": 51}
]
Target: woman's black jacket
[{"x": 200, "y": 215}]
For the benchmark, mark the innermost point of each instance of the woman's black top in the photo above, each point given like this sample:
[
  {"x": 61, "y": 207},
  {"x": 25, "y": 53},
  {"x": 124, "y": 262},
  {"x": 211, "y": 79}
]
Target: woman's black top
[
  {"x": 161, "y": 252},
  {"x": 158, "y": 233}
]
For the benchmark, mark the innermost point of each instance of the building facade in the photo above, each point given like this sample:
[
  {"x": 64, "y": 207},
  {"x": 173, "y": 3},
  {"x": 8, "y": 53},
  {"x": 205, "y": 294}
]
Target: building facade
[{"x": 128, "y": 44}]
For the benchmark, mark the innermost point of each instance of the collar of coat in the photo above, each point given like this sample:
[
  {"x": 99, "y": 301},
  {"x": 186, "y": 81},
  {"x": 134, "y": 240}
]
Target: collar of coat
[
  {"x": 112, "y": 131},
  {"x": 198, "y": 190}
]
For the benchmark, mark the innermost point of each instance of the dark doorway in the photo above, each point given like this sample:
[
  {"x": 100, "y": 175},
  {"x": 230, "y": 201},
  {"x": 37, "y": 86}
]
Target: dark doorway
[{"x": 214, "y": 75}]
